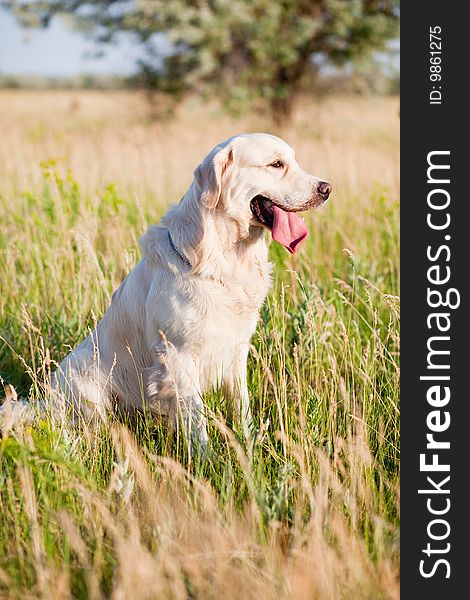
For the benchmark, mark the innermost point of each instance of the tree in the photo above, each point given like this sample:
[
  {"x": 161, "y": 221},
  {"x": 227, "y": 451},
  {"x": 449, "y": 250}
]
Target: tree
[{"x": 237, "y": 49}]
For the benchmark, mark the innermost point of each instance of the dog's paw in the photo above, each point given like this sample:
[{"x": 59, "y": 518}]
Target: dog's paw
[{"x": 14, "y": 412}]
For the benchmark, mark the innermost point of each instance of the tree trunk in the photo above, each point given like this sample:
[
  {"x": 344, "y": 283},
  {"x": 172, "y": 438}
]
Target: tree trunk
[
  {"x": 290, "y": 79},
  {"x": 282, "y": 109}
]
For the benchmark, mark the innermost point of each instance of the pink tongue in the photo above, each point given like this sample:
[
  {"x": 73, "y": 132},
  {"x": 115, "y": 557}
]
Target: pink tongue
[{"x": 288, "y": 229}]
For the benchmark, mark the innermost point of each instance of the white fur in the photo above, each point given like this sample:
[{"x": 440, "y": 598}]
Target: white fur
[{"x": 172, "y": 331}]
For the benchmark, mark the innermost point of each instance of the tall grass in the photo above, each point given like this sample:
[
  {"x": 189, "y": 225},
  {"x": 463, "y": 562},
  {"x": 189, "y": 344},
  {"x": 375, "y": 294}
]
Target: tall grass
[{"x": 310, "y": 509}]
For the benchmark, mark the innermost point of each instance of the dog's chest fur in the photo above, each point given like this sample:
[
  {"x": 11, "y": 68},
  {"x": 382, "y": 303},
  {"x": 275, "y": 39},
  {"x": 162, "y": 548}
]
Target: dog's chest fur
[
  {"x": 227, "y": 306},
  {"x": 227, "y": 312}
]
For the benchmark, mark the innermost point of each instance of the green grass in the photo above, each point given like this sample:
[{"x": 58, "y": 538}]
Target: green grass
[{"x": 310, "y": 509}]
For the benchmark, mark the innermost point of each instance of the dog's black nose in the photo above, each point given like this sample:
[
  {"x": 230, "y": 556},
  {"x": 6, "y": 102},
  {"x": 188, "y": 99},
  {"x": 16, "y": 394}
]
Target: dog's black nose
[{"x": 324, "y": 188}]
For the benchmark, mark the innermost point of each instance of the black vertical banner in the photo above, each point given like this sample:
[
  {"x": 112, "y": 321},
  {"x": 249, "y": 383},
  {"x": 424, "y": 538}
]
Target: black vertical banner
[{"x": 435, "y": 228}]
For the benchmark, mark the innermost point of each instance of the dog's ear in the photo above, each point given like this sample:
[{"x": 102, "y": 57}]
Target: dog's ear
[{"x": 208, "y": 175}]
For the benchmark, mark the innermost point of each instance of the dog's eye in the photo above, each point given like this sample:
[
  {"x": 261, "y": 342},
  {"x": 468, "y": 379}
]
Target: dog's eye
[{"x": 277, "y": 164}]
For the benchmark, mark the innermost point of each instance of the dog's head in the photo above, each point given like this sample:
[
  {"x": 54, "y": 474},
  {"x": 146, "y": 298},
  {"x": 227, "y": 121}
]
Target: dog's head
[{"x": 256, "y": 181}]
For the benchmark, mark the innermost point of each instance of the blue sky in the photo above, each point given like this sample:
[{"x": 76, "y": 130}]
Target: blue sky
[{"x": 58, "y": 51}]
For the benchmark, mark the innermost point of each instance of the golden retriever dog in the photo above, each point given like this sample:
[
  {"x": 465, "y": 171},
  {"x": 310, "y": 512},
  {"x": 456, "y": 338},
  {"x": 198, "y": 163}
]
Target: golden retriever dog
[{"x": 182, "y": 320}]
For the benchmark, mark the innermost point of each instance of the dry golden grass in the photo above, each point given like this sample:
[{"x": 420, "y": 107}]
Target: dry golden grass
[{"x": 110, "y": 136}]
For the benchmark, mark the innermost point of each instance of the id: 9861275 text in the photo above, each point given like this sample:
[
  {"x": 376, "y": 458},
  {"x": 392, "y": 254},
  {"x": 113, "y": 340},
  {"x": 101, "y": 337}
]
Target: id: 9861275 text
[{"x": 435, "y": 66}]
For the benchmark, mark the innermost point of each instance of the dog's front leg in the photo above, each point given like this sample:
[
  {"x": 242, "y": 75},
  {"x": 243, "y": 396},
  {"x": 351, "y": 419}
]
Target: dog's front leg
[
  {"x": 237, "y": 387},
  {"x": 174, "y": 389},
  {"x": 243, "y": 402},
  {"x": 192, "y": 415}
]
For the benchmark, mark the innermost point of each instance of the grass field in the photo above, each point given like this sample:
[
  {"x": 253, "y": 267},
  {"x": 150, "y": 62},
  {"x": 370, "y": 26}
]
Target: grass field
[{"x": 310, "y": 510}]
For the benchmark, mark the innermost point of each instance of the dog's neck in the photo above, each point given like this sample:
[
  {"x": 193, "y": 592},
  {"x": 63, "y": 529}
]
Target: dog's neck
[
  {"x": 215, "y": 245},
  {"x": 229, "y": 250}
]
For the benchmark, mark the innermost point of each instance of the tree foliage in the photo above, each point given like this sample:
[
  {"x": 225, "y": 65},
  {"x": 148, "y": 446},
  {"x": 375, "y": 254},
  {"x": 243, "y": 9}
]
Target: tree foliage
[{"x": 237, "y": 49}]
